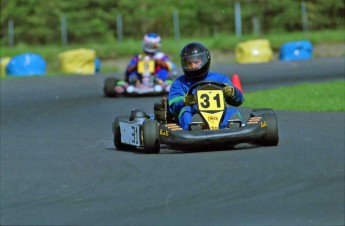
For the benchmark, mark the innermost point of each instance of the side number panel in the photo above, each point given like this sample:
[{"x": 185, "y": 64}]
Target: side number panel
[{"x": 130, "y": 133}]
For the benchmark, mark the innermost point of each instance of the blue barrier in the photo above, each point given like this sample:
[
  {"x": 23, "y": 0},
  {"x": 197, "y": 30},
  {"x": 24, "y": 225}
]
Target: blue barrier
[
  {"x": 27, "y": 64},
  {"x": 97, "y": 64},
  {"x": 298, "y": 50}
]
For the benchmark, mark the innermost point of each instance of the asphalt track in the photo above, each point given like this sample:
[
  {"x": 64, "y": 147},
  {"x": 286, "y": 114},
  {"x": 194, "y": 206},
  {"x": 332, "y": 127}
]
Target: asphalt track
[{"x": 59, "y": 165}]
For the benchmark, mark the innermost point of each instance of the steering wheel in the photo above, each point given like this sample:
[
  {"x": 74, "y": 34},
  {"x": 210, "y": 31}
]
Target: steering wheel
[{"x": 204, "y": 83}]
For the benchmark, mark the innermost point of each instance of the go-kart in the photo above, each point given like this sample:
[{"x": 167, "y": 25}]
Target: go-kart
[
  {"x": 149, "y": 132},
  {"x": 148, "y": 85}
]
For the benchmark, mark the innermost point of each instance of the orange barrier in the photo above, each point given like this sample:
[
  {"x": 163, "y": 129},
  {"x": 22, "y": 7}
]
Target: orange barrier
[{"x": 235, "y": 79}]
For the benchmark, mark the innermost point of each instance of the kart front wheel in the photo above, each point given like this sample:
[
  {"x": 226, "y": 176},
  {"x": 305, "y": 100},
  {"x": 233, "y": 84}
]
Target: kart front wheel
[
  {"x": 117, "y": 134},
  {"x": 109, "y": 85},
  {"x": 271, "y": 138},
  {"x": 151, "y": 137}
]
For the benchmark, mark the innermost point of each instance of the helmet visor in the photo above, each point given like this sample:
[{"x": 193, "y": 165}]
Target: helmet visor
[
  {"x": 151, "y": 47},
  {"x": 194, "y": 62}
]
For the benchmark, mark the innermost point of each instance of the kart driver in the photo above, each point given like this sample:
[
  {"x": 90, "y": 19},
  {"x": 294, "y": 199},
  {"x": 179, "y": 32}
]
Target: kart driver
[
  {"x": 195, "y": 62},
  {"x": 151, "y": 47}
]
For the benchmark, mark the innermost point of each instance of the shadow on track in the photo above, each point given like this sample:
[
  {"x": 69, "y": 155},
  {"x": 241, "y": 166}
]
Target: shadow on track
[{"x": 175, "y": 150}]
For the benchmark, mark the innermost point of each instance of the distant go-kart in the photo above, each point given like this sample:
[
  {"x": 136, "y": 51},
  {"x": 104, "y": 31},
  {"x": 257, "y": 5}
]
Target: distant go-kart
[
  {"x": 149, "y": 132},
  {"x": 149, "y": 84}
]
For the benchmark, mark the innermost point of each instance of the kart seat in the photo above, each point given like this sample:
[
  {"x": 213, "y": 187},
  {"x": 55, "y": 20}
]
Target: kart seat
[
  {"x": 235, "y": 122},
  {"x": 196, "y": 123}
]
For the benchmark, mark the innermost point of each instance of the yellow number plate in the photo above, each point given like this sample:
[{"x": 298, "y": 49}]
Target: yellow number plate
[
  {"x": 210, "y": 100},
  {"x": 146, "y": 66},
  {"x": 213, "y": 119}
]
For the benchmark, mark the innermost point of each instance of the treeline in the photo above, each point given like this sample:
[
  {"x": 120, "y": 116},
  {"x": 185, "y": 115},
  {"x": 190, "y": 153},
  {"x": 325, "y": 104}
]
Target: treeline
[{"x": 40, "y": 21}]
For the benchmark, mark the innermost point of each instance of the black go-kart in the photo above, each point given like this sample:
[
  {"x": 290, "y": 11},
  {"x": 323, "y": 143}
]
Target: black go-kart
[{"x": 140, "y": 130}]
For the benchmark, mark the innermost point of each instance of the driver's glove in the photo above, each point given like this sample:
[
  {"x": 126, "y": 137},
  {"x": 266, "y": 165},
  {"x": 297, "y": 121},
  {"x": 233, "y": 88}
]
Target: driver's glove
[
  {"x": 189, "y": 99},
  {"x": 159, "y": 81},
  {"x": 228, "y": 91}
]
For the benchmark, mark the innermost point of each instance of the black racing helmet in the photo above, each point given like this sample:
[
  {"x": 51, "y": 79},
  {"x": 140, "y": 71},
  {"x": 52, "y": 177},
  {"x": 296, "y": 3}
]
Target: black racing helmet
[{"x": 195, "y": 50}]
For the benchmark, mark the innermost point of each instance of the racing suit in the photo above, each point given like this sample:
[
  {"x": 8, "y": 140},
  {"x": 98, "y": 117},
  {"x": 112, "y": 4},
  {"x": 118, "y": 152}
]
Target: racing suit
[
  {"x": 162, "y": 73},
  {"x": 184, "y": 114}
]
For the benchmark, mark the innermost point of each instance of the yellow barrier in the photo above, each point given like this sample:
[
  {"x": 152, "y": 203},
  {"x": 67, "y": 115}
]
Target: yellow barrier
[
  {"x": 79, "y": 61},
  {"x": 254, "y": 51},
  {"x": 3, "y": 63}
]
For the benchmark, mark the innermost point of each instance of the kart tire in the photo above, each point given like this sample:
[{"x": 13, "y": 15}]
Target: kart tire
[
  {"x": 117, "y": 134},
  {"x": 151, "y": 137},
  {"x": 271, "y": 138},
  {"x": 109, "y": 85}
]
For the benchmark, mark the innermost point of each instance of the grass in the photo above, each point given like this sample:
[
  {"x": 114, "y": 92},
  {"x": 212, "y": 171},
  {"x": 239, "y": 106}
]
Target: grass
[
  {"x": 114, "y": 50},
  {"x": 329, "y": 96}
]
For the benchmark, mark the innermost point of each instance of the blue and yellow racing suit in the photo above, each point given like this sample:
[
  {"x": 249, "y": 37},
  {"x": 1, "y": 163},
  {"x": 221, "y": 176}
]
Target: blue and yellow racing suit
[
  {"x": 179, "y": 89},
  {"x": 162, "y": 73}
]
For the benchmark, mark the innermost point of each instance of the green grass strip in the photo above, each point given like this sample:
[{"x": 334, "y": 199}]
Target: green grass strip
[{"x": 329, "y": 96}]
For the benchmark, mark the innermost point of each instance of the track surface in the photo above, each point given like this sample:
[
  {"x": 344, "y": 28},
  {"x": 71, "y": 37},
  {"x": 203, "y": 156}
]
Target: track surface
[{"x": 59, "y": 165}]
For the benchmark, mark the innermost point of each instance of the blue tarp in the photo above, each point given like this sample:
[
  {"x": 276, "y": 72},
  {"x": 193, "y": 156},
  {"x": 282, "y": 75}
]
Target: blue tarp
[
  {"x": 298, "y": 50},
  {"x": 26, "y": 64}
]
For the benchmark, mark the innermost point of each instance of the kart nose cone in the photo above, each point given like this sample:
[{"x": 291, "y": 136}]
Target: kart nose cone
[
  {"x": 158, "y": 88},
  {"x": 130, "y": 89}
]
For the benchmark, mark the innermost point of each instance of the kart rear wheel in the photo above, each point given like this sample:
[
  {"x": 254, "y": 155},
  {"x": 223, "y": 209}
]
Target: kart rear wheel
[
  {"x": 151, "y": 137},
  {"x": 271, "y": 138},
  {"x": 117, "y": 134},
  {"x": 109, "y": 85}
]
